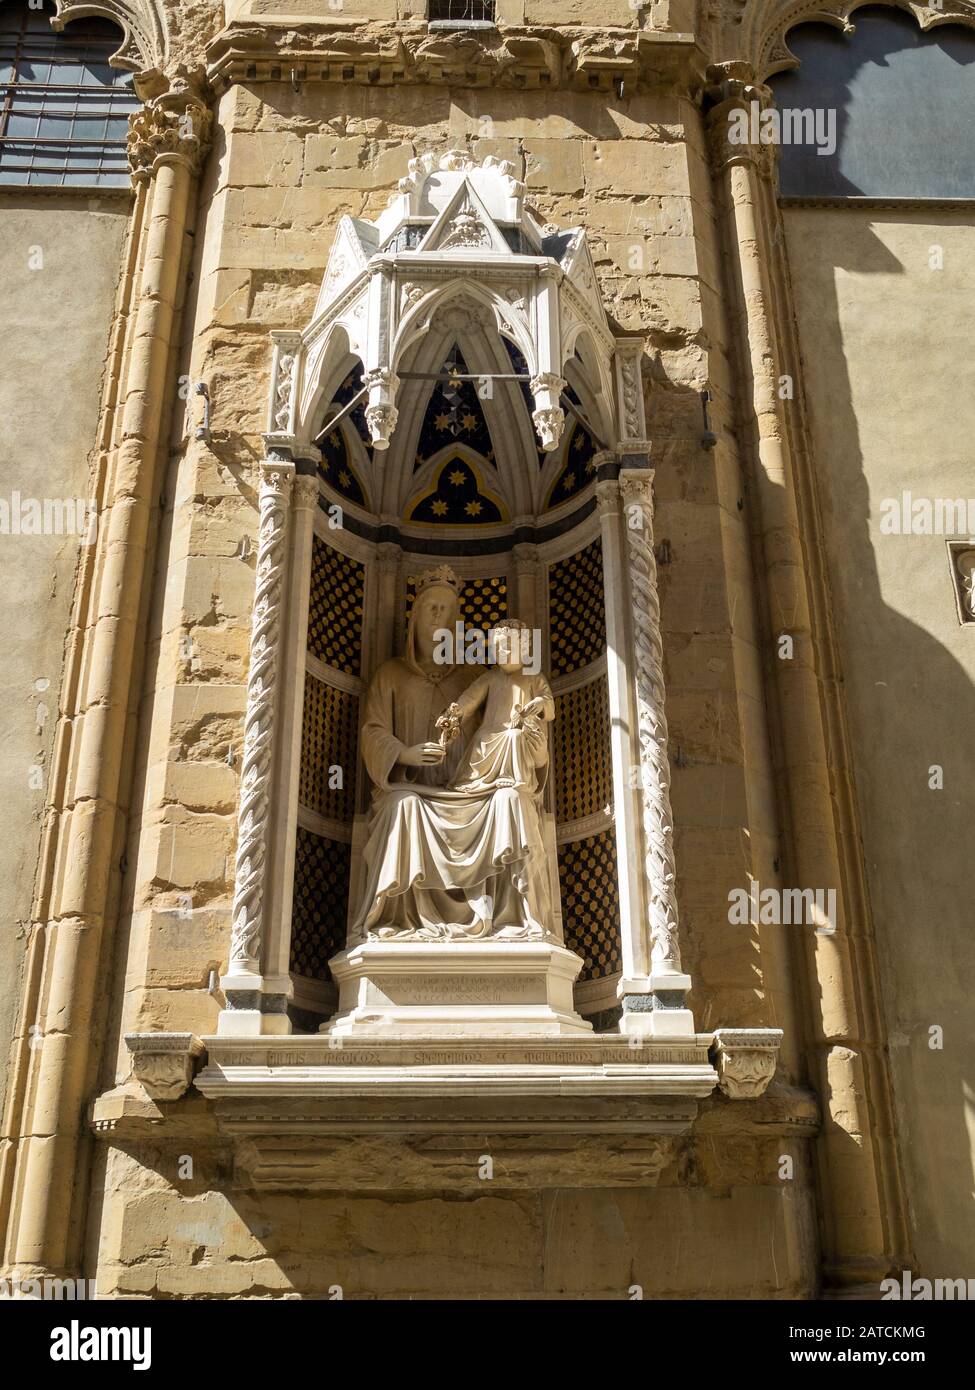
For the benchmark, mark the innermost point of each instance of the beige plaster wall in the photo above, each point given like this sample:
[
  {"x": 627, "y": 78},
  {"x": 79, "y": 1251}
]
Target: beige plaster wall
[
  {"x": 886, "y": 347},
  {"x": 56, "y": 321}
]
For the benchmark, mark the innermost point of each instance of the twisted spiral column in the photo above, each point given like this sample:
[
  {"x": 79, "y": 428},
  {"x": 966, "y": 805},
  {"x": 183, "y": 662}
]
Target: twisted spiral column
[
  {"x": 658, "y": 824},
  {"x": 256, "y": 769}
]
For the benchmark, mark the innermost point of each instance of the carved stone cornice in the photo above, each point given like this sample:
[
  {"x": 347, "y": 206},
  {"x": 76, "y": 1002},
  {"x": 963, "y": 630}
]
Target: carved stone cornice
[
  {"x": 380, "y": 53},
  {"x": 173, "y": 127}
]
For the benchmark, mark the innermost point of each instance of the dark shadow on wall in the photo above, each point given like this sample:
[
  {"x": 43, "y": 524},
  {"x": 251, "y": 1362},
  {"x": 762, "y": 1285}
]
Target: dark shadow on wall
[
  {"x": 910, "y": 706},
  {"x": 903, "y": 103}
]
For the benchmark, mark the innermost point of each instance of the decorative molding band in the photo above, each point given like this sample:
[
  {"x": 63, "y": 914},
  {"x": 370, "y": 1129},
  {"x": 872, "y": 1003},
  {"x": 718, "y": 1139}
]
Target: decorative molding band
[
  {"x": 255, "y": 777},
  {"x": 381, "y": 53},
  {"x": 321, "y": 825},
  {"x": 658, "y": 825},
  {"x": 330, "y": 675},
  {"x": 570, "y": 832},
  {"x": 857, "y": 202}
]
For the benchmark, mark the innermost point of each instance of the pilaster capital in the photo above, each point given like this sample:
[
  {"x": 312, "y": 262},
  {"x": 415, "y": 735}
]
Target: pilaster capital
[
  {"x": 389, "y": 556},
  {"x": 277, "y": 476},
  {"x": 733, "y": 103},
  {"x": 607, "y": 497},
  {"x": 526, "y": 556},
  {"x": 547, "y": 381},
  {"x": 305, "y": 495},
  {"x": 636, "y": 488},
  {"x": 171, "y": 128}
]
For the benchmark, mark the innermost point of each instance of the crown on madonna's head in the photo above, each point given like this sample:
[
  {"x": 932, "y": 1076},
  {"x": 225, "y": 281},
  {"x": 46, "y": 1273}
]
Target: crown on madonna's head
[{"x": 439, "y": 575}]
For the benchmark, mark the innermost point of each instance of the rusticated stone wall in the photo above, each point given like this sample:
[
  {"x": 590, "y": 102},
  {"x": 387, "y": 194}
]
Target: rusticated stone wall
[{"x": 286, "y": 166}]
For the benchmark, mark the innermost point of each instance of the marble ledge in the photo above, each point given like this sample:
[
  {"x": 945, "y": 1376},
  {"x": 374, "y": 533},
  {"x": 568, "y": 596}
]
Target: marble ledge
[{"x": 597, "y": 1065}]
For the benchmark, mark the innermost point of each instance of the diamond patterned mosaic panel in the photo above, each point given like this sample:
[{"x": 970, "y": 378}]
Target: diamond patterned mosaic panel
[
  {"x": 329, "y": 740},
  {"x": 583, "y": 769},
  {"x": 577, "y": 619},
  {"x": 321, "y": 900},
  {"x": 590, "y": 903},
  {"x": 335, "y": 609}
]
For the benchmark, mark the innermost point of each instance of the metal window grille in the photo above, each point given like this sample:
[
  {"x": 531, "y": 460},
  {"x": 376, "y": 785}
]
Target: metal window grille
[
  {"x": 482, "y": 10},
  {"x": 64, "y": 114}
]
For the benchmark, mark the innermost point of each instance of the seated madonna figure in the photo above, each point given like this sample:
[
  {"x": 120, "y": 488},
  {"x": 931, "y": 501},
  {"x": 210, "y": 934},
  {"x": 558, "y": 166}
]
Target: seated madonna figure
[{"x": 455, "y": 848}]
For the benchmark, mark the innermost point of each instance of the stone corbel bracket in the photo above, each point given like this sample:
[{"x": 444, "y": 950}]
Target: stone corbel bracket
[
  {"x": 745, "y": 1060},
  {"x": 163, "y": 1063}
]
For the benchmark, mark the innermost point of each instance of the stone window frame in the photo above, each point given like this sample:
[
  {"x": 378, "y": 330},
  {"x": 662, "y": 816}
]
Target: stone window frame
[{"x": 44, "y": 161}]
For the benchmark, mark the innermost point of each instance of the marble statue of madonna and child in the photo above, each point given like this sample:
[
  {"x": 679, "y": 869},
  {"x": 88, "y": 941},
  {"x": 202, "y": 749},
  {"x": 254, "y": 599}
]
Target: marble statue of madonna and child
[{"x": 458, "y": 757}]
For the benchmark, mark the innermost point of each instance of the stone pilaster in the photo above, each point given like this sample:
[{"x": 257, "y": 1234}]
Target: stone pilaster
[
  {"x": 42, "y": 1193},
  {"x": 857, "y": 1163}
]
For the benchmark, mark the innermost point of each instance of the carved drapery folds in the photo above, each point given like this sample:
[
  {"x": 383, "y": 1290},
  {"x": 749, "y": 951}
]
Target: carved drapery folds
[{"x": 262, "y": 679}]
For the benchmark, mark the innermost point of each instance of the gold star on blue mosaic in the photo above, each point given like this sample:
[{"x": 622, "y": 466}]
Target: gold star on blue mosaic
[
  {"x": 457, "y": 498},
  {"x": 336, "y": 466},
  {"x": 579, "y": 448},
  {"x": 454, "y": 410}
]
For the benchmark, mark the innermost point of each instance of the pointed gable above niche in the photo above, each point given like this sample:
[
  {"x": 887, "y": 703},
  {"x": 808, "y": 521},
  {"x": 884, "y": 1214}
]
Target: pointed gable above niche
[
  {"x": 355, "y": 241},
  {"x": 465, "y": 225}
]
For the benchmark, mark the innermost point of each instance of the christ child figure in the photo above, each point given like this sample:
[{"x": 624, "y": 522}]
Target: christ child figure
[{"x": 510, "y": 748}]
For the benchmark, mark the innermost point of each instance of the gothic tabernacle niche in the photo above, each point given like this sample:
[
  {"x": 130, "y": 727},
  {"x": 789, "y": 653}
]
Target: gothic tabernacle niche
[{"x": 430, "y": 849}]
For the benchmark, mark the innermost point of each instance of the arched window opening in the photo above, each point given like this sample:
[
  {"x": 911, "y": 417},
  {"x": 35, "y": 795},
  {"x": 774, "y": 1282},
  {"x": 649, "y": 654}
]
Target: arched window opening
[
  {"x": 64, "y": 118},
  {"x": 884, "y": 112},
  {"x": 461, "y": 12}
]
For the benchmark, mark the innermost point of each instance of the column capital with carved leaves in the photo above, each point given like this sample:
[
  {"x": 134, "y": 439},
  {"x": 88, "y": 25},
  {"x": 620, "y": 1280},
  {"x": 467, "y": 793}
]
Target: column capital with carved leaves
[{"x": 172, "y": 129}]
